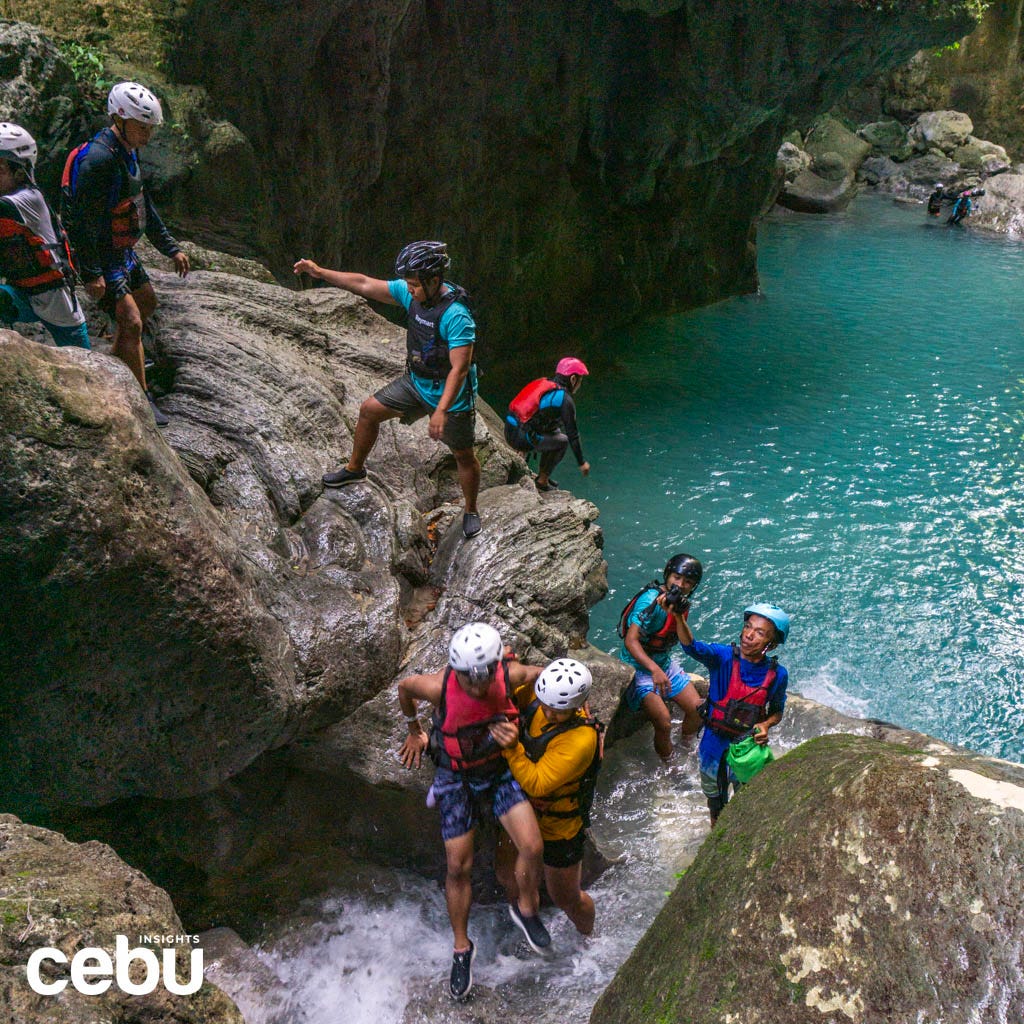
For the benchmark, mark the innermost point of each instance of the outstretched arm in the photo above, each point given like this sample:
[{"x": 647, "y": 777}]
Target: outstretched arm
[
  {"x": 411, "y": 689},
  {"x": 359, "y": 284}
]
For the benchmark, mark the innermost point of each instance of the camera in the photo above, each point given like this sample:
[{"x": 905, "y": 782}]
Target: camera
[{"x": 676, "y": 600}]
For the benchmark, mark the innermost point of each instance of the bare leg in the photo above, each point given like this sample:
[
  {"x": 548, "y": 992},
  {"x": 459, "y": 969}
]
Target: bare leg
[
  {"x": 688, "y": 699},
  {"x": 458, "y": 890},
  {"x": 657, "y": 711},
  {"x": 469, "y": 475},
  {"x": 505, "y": 866},
  {"x": 371, "y": 415},
  {"x": 563, "y": 885},
  {"x": 521, "y": 825},
  {"x": 128, "y": 337}
]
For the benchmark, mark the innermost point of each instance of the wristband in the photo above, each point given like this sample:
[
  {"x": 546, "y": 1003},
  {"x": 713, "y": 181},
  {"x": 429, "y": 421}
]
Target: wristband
[{"x": 411, "y": 718}]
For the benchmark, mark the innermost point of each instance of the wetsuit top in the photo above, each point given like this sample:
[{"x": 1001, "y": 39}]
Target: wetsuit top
[
  {"x": 557, "y": 409},
  {"x": 104, "y": 175},
  {"x": 28, "y": 207},
  {"x": 718, "y": 659},
  {"x": 651, "y": 618},
  {"x": 564, "y": 762},
  {"x": 458, "y": 328}
]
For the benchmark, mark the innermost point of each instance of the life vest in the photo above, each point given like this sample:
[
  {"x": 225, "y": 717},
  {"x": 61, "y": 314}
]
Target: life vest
[
  {"x": 579, "y": 792},
  {"x": 426, "y": 351},
  {"x": 128, "y": 214},
  {"x": 527, "y": 403},
  {"x": 652, "y": 641},
  {"x": 935, "y": 202},
  {"x": 743, "y": 706},
  {"x": 459, "y": 736},
  {"x": 28, "y": 261}
]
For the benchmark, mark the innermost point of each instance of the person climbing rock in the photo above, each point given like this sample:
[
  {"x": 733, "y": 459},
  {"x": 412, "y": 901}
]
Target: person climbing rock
[
  {"x": 440, "y": 377},
  {"x": 108, "y": 210},
  {"x": 651, "y": 625},
  {"x": 34, "y": 257},
  {"x": 472, "y": 693},
  {"x": 962, "y": 205},
  {"x": 554, "y": 754},
  {"x": 542, "y": 418},
  {"x": 746, "y": 696}
]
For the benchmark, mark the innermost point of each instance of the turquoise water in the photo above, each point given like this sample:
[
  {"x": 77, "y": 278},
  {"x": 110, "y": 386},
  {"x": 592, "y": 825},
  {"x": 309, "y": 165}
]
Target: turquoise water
[{"x": 848, "y": 445}]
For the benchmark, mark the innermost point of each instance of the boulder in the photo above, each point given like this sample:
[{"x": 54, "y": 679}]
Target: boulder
[
  {"x": 981, "y": 156},
  {"x": 887, "y": 138},
  {"x": 941, "y": 129},
  {"x": 810, "y": 193},
  {"x": 69, "y": 896},
  {"x": 830, "y": 166},
  {"x": 1001, "y": 209},
  {"x": 791, "y": 160},
  {"x": 852, "y": 881},
  {"x": 828, "y": 135}
]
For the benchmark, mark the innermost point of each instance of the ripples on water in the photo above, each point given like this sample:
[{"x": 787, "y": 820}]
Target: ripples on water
[{"x": 848, "y": 445}]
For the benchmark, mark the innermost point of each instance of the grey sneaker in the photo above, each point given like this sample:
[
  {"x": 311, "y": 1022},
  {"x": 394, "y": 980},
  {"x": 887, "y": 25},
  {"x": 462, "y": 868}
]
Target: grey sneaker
[
  {"x": 343, "y": 476},
  {"x": 532, "y": 927},
  {"x": 470, "y": 524},
  {"x": 461, "y": 980}
]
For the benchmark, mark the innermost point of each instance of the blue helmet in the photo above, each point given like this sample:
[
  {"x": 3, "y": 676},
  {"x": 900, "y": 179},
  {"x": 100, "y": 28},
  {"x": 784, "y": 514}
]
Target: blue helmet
[{"x": 774, "y": 614}]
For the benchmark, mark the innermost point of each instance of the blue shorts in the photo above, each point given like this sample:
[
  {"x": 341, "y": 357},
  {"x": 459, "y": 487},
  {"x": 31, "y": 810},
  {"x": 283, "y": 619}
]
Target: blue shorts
[
  {"x": 460, "y": 798},
  {"x": 642, "y": 685},
  {"x": 15, "y": 308}
]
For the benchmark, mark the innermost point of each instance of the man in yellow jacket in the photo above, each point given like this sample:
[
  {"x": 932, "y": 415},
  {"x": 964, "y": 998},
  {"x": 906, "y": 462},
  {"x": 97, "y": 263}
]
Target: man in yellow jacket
[{"x": 554, "y": 756}]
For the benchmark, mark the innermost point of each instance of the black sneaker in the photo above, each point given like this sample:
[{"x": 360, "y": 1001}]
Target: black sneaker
[
  {"x": 470, "y": 525},
  {"x": 343, "y": 476},
  {"x": 461, "y": 980},
  {"x": 161, "y": 419},
  {"x": 532, "y": 927}
]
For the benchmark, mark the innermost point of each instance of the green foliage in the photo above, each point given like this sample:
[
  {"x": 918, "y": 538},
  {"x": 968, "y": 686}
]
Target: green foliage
[
  {"x": 951, "y": 48},
  {"x": 86, "y": 65}
]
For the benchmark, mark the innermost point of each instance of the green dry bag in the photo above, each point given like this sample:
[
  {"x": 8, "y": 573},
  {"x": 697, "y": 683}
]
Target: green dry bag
[{"x": 747, "y": 758}]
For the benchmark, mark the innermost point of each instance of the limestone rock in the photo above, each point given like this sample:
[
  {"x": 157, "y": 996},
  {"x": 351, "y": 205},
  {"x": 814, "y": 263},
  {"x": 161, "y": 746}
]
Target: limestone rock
[
  {"x": 811, "y": 193},
  {"x": 830, "y": 136},
  {"x": 830, "y": 166},
  {"x": 70, "y": 896},
  {"x": 943, "y": 129},
  {"x": 888, "y": 138},
  {"x": 1001, "y": 209},
  {"x": 865, "y": 882},
  {"x": 792, "y": 160}
]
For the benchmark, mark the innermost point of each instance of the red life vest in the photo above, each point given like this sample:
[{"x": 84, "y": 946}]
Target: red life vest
[
  {"x": 743, "y": 706},
  {"x": 526, "y": 404},
  {"x": 27, "y": 260},
  {"x": 128, "y": 214},
  {"x": 459, "y": 737},
  {"x": 663, "y": 639}
]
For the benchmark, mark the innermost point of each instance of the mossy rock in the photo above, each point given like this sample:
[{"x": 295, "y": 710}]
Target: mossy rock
[{"x": 853, "y": 881}]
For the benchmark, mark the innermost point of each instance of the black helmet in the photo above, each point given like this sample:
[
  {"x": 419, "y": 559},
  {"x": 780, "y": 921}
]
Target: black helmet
[
  {"x": 422, "y": 259},
  {"x": 686, "y": 566}
]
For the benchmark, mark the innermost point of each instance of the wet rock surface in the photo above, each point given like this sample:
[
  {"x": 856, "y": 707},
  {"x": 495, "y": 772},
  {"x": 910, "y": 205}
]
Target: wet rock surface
[
  {"x": 58, "y": 894},
  {"x": 866, "y": 881}
]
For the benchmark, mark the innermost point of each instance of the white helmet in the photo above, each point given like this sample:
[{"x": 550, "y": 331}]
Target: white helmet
[
  {"x": 475, "y": 649},
  {"x": 16, "y": 144},
  {"x": 564, "y": 684},
  {"x": 134, "y": 101}
]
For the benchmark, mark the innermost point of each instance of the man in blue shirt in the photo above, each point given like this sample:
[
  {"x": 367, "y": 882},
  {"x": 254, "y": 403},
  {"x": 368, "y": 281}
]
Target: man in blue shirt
[
  {"x": 746, "y": 695},
  {"x": 440, "y": 377}
]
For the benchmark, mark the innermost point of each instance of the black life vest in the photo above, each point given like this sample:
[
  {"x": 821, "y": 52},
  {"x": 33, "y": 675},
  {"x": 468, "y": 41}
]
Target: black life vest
[
  {"x": 128, "y": 214},
  {"x": 526, "y": 404},
  {"x": 652, "y": 641},
  {"x": 459, "y": 737},
  {"x": 579, "y": 792},
  {"x": 743, "y": 706},
  {"x": 426, "y": 350},
  {"x": 935, "y": 202}
]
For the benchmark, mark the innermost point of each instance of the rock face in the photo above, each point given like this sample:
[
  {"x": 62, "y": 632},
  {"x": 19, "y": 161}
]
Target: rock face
[
  {"x": 853, "y": 881},
  {"x": 588, "y": 162},
  {"x": 59, "y": 894},
  {"x": 177, "y": 603}
]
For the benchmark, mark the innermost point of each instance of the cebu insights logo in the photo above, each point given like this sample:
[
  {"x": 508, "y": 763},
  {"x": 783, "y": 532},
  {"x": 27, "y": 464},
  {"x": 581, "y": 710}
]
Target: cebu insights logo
[{"x": 93, "y": 969}]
